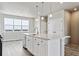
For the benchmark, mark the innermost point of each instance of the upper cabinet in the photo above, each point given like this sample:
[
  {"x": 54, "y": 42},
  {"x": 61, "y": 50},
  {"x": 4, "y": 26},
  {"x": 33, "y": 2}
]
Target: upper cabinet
[{"x": 56, "y": 24}]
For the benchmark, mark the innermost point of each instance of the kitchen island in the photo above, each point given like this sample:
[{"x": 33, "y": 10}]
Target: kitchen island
[{"x": 44, "y": 44}]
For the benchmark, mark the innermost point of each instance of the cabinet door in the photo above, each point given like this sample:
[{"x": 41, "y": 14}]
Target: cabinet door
[
  {"x": 24, "y": 41},
  {"x": 44, "y": 47},
  {"x": 31, "y": 44},
  {"x": 54, "y": 47},
  {"x": 56, "y": 27},
  {"x": 36, "y": 47},
  {"x": 27, "y": 41}
]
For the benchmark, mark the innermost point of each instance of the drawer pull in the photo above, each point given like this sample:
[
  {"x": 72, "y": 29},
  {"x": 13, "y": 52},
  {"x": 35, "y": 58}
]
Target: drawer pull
[
  {"x": 28, "y": 40},
  {"x": 41, "y": 41},
  {"x": 35, "y": 39},
  {"x": 38, "y": 44}
]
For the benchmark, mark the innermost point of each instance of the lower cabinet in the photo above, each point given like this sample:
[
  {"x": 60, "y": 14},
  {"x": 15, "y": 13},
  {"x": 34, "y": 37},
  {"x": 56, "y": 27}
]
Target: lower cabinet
[{"x": 42, "y": 47}]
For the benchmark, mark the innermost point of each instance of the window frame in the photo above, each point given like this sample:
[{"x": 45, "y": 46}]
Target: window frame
[{"x": 27, "y": 30}]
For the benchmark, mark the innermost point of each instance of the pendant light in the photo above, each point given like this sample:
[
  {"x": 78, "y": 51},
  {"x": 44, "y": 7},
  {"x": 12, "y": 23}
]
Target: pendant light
[
  {"x": 42, "y": 17},
  {"x": 50, "y": 15},
  {"x": 37, "y": 12}
]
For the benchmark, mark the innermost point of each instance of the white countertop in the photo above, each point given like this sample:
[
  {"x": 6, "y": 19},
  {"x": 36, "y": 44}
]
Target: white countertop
[{"x": 42, "y": 36}]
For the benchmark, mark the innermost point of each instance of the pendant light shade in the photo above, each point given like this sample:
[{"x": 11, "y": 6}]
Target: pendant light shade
[
  {"x": 42, "y": 17},
  {"x": 36, "y": 13},
  {"x": 50, "y": 15}
]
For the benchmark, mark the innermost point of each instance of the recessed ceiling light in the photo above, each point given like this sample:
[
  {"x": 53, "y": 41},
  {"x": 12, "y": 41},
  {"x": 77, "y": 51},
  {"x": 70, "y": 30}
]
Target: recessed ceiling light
[{"x": 75, "y": 9}]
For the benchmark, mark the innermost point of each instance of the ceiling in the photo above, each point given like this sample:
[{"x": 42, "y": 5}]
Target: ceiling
[{"x": 28, "y": 9}]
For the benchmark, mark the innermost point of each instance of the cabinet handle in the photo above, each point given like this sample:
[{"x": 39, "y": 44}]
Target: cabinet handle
[
  {"x": 54, "y": 32},
  {"x": 38, "y": 44},
  {"x": 41, "y": 41},
  {"x": 28, "y": 40}
]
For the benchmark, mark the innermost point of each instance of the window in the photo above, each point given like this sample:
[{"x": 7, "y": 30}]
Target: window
[
  {"x": 16, "y": 24},
  {"x": 25, "y": 25},
  {"x": 8, "y": 24}
]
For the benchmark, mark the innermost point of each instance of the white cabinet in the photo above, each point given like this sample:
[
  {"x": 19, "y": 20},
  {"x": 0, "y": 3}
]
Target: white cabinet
[
  {"x": 54, "y": 47},
  {"x": 43, "y": 47},
  {"x": 29, "y": 43},
  {"x": 36, "y": 46},
  {"x": 56, "y": 24}
]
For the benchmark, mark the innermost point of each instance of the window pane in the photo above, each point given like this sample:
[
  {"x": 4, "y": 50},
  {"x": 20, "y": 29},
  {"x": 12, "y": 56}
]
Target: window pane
[
  {"x": 8, "y": 27},
  {"x": 25, "y": 25},
  {"x": 8, "y": 21},
  {"x": 25, "y": 28},
  {"x": 25, "y": 22},
  {"x": 17, "y": 28},
  {"x": 17, "y": 22}
]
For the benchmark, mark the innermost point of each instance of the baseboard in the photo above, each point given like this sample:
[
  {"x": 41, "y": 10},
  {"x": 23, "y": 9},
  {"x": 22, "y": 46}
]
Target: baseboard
[{"x": 28, "y": 51}]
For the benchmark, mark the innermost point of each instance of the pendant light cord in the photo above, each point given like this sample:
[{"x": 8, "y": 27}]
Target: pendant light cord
[
  {"x": 42, "y": 7},
  {"x": 37, "y": 10}
]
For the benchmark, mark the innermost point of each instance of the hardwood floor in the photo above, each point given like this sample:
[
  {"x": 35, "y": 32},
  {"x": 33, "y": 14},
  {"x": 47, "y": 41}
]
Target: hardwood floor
[
  {"x": 14, "y": 48},
  {"x": 72, "y": 50}
]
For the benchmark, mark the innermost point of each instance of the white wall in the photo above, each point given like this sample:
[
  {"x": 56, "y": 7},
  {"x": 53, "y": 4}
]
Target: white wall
[
  {"x": 1, "y": 24},
  {"x": 14, "y": 35}
]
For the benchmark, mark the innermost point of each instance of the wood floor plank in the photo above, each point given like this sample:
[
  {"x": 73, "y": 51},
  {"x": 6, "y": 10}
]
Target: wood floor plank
[{"x": 14, "y": 48}]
